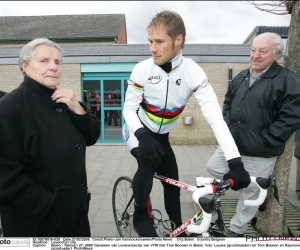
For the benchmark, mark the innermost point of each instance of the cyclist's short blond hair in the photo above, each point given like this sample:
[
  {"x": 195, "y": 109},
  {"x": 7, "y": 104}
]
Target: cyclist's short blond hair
[{"x": 172, "y": 21}]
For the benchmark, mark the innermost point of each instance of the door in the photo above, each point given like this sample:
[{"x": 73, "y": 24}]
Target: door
[{"x": 105, "y": 95}]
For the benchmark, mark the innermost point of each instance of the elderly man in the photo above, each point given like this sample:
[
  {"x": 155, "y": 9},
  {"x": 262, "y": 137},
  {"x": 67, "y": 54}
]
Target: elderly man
[{"x": 262, "y": 111}]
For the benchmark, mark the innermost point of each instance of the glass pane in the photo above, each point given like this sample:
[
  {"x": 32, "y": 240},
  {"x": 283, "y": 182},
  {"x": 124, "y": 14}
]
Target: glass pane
[
  {"x": 112, "y": 99},
  {"x": 91, "y": 93},
  {"x": 112, "y": 93}
]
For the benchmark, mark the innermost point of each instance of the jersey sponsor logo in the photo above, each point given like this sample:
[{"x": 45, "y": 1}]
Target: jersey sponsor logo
[
  {"x": 154, "y": 79},
  {"x": 204, "y": 83},
  {"x": 178, "y": 82}
]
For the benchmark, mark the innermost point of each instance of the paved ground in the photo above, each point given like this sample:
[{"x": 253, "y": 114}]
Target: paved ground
[{"x": 105, "y": 163}]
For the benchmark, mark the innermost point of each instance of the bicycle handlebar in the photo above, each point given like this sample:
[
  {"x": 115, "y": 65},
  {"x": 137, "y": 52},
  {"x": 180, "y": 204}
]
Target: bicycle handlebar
[
  {"x": 212, "y": 186},
  {"x": 261, "y": 197}
]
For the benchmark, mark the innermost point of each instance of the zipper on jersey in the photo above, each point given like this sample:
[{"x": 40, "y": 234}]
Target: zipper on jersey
[{"x": 168, "y": 78}]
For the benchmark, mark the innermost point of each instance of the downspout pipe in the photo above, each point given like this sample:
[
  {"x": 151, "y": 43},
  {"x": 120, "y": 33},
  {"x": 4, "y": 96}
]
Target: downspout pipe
[{"x": 229, "y": 74}]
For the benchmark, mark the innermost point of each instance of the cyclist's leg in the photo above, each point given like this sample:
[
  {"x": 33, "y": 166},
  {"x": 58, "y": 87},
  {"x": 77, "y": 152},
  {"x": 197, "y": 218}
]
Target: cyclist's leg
[
  {"x": 217, "y": 164},
  {"x": 259, "y": 167},
  {"x": 142, "y": 181},
  {"x": 169, "y": 169},
  {"x": 141, "y": 184}
]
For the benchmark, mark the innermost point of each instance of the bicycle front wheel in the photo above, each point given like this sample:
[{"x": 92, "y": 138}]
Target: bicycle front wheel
[{"x": 123, "y": 207}]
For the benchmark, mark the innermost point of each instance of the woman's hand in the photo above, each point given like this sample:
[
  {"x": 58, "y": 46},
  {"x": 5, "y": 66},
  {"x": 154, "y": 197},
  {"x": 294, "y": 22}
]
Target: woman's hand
[{"x": 68, "y": 97}]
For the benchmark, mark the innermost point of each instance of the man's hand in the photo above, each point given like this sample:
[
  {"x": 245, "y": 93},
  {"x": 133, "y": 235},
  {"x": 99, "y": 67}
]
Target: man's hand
[
  {"x": 240, "y": 177},
  {"x": 68, "y": 97},
  {"x": 150, "y": 149}
]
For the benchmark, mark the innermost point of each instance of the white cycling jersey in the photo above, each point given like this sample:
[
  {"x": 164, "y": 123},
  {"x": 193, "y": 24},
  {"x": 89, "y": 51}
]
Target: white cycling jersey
[{"x": 156, "y": 99}]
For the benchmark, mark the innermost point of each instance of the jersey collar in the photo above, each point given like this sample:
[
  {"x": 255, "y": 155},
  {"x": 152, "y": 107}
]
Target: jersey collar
[{"x": 173, "y": 64}]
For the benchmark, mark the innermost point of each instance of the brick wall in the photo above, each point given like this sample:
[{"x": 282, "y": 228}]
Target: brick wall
[
  {"x": 123, "y": 34},
  {"x": 71, "y": 78},
  {"x": 11, "y": 77}
]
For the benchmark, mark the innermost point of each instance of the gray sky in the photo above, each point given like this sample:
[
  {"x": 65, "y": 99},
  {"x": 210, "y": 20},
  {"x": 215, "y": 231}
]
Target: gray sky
[{"x": 228, "y": 22}]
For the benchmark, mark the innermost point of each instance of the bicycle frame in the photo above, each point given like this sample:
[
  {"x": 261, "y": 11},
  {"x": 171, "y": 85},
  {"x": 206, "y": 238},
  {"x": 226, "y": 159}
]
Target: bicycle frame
[
  {"x": 198, "y": 216},
  {"x": 201, "y": 223}
]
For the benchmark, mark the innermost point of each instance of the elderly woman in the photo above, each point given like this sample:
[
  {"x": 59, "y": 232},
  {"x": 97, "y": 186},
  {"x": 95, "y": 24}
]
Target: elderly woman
[{"x": 44, "y": 132}]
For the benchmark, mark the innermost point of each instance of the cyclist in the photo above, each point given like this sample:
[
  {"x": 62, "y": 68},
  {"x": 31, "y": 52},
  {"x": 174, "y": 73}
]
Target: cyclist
[{"x": 158, "y": 90}]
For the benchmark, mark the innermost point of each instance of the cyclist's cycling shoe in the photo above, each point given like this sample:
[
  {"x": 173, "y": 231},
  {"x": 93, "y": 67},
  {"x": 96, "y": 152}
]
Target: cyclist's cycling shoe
[
  {"x": 143, "y": 223},
  {"x": 234, "y": 234}
]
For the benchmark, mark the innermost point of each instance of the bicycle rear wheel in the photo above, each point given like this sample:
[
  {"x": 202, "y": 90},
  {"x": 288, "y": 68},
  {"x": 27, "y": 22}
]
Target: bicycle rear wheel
[{"x": 123, "y": 207}]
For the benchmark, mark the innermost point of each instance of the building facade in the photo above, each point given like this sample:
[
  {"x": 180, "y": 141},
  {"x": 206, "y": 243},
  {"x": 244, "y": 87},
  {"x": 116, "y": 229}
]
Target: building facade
[
  {"x": 99, "y": 73},
  {"x": 97, "y": 62}
]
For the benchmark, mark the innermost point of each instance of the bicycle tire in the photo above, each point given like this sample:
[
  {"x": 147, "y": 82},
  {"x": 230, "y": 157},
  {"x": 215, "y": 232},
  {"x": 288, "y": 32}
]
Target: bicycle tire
[{"x": 121, "y": 196}]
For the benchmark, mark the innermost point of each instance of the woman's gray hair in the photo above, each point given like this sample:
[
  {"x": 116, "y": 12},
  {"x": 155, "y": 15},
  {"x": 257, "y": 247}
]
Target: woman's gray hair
[
  {"x": 277, "y": 41},
  {"x": 27, "y": 52}
]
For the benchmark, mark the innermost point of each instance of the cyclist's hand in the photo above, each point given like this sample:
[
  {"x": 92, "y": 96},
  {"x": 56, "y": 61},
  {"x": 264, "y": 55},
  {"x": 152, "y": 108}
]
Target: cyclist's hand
[
  {"x": 237, "y": 172},
  {"x": 151, "y": 150}
]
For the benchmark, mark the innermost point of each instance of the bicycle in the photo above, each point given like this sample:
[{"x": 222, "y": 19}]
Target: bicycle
[{"x": 201, "y": 223}]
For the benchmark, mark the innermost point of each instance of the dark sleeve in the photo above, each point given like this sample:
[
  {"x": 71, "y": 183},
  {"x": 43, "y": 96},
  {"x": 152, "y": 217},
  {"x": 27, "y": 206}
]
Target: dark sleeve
[
  {"x": 227, "y": 103},
  {"x": 288, "y": 119},
  {"x": 88, "y": 125}
]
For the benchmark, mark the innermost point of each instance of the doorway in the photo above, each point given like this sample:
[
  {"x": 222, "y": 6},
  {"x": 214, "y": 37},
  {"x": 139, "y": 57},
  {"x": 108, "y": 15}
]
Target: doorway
[{"x": 105, "y": 95}]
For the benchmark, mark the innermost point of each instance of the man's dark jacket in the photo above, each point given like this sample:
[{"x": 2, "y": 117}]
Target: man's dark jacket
[
  {"x": 263, "y": 117},
  {"x": 43, "y": 181}
]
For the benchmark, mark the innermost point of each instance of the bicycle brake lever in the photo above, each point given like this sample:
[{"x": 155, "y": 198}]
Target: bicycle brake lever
[
  {"x": 223, "y": 185},
  {"x": 265, "y": 183}
]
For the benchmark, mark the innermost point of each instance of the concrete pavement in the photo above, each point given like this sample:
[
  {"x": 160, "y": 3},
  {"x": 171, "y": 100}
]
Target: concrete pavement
[{"x": 106, "y": 163}]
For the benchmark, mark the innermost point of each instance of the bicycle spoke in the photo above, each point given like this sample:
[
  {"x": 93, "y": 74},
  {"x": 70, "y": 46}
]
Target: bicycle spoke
[{"x": 122, "y": 193}]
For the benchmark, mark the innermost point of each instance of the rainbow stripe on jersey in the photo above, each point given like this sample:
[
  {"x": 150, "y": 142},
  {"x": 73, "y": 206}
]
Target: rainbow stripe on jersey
[
  {"x": 138, "y": 86},
  {"x": 159, "y": 115}
]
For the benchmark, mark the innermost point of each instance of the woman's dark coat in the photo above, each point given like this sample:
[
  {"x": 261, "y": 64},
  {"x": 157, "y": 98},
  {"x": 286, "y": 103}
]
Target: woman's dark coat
[
  {"x": 43, "y": 182},
  {"x": 2, "y": 93}
]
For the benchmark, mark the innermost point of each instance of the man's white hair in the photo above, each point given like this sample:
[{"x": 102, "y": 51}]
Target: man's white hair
[{"x": 277, "y": 41}]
